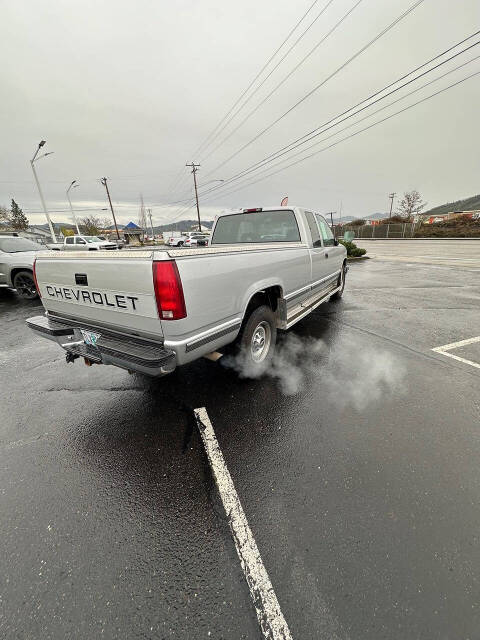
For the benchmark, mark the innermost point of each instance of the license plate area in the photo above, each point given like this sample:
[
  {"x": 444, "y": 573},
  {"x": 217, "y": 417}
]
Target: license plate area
[{"x": 90, "y": 338}]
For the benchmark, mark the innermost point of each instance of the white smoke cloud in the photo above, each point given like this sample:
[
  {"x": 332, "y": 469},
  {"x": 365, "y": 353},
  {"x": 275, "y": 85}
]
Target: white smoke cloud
[{"x": 351, "y": 375}]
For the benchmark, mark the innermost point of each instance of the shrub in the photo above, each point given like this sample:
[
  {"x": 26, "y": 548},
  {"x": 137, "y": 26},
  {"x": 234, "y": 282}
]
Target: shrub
[{"x": 352, "y": 250}]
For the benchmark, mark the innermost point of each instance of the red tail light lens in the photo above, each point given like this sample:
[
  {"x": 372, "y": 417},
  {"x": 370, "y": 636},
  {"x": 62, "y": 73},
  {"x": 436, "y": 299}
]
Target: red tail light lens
[
  {"x": 168, "y": 290},
  {"x": 35, "y": 278}
]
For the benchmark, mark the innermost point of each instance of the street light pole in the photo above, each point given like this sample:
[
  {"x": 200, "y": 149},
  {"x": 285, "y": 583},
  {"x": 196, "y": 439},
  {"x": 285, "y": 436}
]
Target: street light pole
[
  {"x": 40, "y": 145},
  {"x": 104, "y": 182},
  {"x": 194, "y": 171},
  {"x": 391, "y": 196},
  {"x": 74, "y": 185}
]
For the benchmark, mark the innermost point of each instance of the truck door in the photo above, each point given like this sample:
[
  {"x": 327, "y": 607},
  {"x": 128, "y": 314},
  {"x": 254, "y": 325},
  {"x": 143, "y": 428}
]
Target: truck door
[
  {"x": 69, "y": 240},
  {"x": 333, "y": 253},
  {"x": 80, "y": 244}
]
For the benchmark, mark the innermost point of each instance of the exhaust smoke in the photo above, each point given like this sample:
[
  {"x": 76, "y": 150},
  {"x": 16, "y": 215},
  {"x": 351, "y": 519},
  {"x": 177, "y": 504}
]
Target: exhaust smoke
[{"x": 350, "y": 374}]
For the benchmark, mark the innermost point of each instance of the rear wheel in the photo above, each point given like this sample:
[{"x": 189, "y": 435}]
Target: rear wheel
[
  {"x": 257, "y": 340},
  {"x": 340, "y": 283},
  {"x": 25, "y": 285}
]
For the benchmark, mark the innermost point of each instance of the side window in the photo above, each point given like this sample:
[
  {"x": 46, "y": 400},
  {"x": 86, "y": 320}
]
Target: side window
[
  {"x": 69, "y": 240},
  {"x": 327, "y": 235},
  {"x": 80, "y": 241},
  {"x": 312, "y": 225}
]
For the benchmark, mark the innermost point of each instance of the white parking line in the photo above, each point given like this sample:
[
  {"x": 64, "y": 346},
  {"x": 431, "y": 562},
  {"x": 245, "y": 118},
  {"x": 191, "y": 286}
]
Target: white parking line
[
  {"x": 270, "y": 617},
  {"x": 455, "y": 345}
]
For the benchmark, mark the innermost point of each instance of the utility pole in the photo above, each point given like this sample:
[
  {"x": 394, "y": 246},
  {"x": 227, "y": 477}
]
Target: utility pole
[
  {"x": 194, "y": 171},
  {"x": 40, "y": 145},
  {"x": 74, "y": 185},
  {"x": 391, "y": 196},
  {"x": 330, "y": 213},
  {"x": 151, "y": 223},
  {"x": 104, "y": 182},
  {"x": 143, "y": 219}
]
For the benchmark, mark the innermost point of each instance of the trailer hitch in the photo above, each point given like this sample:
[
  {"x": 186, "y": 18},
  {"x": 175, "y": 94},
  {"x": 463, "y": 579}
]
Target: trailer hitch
[{"x": 71, "y": 357}]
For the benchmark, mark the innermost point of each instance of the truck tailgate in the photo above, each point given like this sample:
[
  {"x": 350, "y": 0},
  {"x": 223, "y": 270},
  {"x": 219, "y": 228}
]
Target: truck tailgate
[{"x": 98, "y": 287}]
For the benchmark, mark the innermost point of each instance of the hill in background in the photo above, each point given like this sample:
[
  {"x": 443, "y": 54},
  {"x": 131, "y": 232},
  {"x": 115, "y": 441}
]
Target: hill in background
[{"x": 467, "y": 204}]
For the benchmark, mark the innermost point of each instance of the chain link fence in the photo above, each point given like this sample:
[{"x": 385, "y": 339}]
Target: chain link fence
[{"x": 397, "y": 230}]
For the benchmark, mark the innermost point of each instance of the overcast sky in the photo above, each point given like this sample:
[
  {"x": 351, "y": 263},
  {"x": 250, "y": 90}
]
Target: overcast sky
[{"x": 129, "y": 90}]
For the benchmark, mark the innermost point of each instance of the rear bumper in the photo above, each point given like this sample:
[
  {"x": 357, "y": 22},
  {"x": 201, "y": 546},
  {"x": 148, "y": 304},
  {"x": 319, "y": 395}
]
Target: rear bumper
[{"x": 127, "y": 352}]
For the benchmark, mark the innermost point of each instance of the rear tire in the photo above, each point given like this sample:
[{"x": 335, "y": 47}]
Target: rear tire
[
  {"x": 256, "y": 343},
  {"x": 25, "y": 285},
  {"x": 340, "y": 283}
]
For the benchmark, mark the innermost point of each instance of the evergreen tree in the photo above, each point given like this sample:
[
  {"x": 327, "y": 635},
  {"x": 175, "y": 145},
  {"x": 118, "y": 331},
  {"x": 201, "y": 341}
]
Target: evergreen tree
[{"x": 18, "y": 219}]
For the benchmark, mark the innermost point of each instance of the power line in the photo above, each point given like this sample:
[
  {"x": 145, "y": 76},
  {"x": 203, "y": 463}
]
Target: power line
[
  {"x": 321, "y": 84},
  {"x": 296, "y": 67},
  {"x": 259, "y": 86},
  {"x": 198, "y": 150},
  {"x": 359, "y": 121},
  {"x": 334, "y": 144},
  {"x": 324, "y": 127}
]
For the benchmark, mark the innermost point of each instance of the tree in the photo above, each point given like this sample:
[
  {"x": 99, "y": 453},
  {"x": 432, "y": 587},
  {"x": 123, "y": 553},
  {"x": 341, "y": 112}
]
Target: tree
[
  {"x": 67, "y": 232},
  {"x": 91, "y": 225},
  {"x": 105, "y": 223},
  {"x": 410, "y": 204},
  {"x": 18, "y": 219},
  {"x": 4, "y": 215}
]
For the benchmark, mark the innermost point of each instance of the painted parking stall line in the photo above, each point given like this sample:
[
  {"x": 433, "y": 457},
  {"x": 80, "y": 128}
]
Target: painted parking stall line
[
  {"x": 446, "y": 348},
  {"x": 269, "y": 614}
]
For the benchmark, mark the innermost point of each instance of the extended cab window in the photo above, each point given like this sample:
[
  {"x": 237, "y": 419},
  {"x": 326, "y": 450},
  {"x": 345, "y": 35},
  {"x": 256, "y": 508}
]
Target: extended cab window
[
  {"x": 314, "y": 232},
  {"x": 69, "y": 240},
  {"x": 257, "y": 227},
  {"x": 327, "y": 235}
]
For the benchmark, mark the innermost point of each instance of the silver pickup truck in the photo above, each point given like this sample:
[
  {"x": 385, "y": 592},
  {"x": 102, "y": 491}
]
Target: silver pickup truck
[{"x": 150, "y": 311}]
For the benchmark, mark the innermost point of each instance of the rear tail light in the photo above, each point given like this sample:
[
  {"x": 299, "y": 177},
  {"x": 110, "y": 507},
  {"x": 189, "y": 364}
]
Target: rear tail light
[
  {"x": 35, "y": 278},
  {"x": 168, "y": 290}
]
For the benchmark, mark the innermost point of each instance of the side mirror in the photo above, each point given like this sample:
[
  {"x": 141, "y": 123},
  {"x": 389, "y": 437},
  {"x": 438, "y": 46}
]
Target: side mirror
[
  {"x": 335, "y": 242},
  {"x": 349, "y": 236}
]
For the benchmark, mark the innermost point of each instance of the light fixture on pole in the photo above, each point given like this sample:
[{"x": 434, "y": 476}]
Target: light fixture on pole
[
  {"x": 34, "y": 159},
  {"x": 73, "y": 185}
]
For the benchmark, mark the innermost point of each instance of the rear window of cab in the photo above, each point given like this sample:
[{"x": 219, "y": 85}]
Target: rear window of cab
[{"x": 257, "y": 227}]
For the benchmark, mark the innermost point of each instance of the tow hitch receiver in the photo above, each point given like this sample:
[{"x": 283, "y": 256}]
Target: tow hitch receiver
[{"x": 71, "y": 357}]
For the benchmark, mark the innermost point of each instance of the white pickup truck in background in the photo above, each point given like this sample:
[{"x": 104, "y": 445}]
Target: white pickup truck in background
[
  {"x": 150, "y": 311},
  {"x": 83, "y": 243}
]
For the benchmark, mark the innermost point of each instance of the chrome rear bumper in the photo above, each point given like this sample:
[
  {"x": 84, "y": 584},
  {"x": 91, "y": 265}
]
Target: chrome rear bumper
[{"x": 120, "y": 350}]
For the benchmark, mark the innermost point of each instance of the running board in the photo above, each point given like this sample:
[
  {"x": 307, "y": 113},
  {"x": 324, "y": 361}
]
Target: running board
[{"x": 313, "y": 305}]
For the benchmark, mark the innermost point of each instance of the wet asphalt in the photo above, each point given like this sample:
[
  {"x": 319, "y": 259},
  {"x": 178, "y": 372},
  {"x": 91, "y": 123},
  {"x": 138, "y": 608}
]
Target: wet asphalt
[{"x": 361, "y": 488}]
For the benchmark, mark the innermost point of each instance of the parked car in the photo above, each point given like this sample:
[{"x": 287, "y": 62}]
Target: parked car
[
  {"x": 176, "y": 241},
  {"x": 84, "y": 243},
  {"x": 150, "y": 311},
  {"x": 196, "y": 240},
  {"x": 17, "y": 256}
]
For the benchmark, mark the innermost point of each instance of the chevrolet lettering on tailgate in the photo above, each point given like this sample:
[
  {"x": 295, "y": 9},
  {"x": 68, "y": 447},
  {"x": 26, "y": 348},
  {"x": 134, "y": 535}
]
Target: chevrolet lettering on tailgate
[{"x": 101, "y": 298}]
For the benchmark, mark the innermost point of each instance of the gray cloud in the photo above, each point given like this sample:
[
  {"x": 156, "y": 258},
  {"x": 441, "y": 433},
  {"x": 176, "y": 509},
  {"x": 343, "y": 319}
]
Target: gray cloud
[{"x": 129, "y": 90}]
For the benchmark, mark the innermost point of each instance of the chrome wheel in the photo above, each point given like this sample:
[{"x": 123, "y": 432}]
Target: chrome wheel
[{"x": 260, "y": 343}]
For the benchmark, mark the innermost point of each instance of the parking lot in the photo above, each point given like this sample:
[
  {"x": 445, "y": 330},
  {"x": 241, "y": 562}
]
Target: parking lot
[{"x": 356, "y": 462}]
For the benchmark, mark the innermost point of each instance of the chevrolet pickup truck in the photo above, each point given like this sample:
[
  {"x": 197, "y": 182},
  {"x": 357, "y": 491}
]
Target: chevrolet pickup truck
[
  {"x": 83, "y": 243},
  {"x": 151, "y": 311}
]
